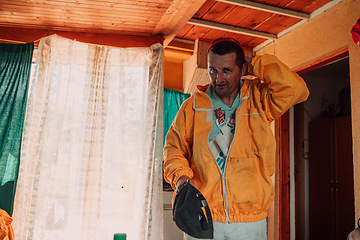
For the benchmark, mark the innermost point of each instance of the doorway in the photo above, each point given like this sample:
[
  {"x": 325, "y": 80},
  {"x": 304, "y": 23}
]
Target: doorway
[{"x": 328, "y": 82}]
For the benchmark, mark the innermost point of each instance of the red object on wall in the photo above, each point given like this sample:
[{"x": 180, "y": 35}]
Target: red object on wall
[{"x": 355, "y": 31}]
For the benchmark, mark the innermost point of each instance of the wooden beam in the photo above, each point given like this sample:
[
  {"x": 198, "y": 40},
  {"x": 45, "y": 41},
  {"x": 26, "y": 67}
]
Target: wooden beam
[
  {"x": 229, "y": 28},
  {"x": 24, "y": 35},
  {"x": 267, "y": 8},
  {"x": 176, "y": 18},
  {"x": 344, "y": 53},
  {"x": 182, "y": 45}
]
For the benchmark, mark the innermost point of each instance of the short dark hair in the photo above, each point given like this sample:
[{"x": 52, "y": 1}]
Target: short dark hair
[{"x": 222, "y": 46}]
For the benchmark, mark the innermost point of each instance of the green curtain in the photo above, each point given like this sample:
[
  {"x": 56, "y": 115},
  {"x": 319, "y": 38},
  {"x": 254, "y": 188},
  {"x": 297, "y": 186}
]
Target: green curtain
[
  {"x": 172, "y": 102},
  {"x": 15, "y": 67}
]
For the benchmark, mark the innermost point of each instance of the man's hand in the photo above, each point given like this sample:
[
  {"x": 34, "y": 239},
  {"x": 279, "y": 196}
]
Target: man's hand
[{"x": 181, "y": 182}]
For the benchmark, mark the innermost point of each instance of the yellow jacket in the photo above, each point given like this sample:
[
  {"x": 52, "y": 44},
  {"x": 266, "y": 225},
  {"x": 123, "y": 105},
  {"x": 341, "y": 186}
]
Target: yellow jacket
[{"x": 245, "y": 192}]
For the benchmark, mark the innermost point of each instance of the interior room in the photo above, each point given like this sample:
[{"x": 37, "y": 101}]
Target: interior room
[
  {"x": 329, "y": 102},
  {"x": 137, "y": 51}
]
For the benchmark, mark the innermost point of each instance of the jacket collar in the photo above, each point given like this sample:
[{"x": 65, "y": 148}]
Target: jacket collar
[{"x": 201, "y": 101}]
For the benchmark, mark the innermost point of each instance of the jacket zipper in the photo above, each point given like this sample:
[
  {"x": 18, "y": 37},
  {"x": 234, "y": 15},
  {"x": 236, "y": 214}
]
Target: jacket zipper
[
  {"x": 224, "y": 185},
  {"x": 227, "y": 157},
  {"x": 226, "y": 201},
  {"x": 224, "y": 182}
]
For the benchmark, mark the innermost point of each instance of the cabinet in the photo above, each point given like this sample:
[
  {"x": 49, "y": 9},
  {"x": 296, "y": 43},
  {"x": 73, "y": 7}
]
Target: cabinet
[{"x": 331, "y": 185}]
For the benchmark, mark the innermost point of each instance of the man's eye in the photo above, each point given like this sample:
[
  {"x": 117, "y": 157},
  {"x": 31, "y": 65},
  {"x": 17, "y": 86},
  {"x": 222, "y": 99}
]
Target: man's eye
[
  {"x": 226, "y": 70},
  {"x": 213, "y": 70}
]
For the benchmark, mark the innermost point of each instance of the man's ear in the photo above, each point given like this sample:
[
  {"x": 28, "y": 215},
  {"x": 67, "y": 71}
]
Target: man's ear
[{"x": 244, "y": 70}]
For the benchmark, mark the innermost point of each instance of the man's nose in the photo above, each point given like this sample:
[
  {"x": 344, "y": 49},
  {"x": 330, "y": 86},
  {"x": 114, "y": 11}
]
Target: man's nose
[{"x": 220, "y": 76}]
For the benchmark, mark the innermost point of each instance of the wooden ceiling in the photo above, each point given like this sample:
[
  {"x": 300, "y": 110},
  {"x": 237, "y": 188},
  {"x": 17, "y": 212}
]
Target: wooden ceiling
[{"x": 250, "y": 22}]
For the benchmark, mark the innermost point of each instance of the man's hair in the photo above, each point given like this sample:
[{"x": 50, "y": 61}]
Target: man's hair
[{"x": 222, "y": 46}]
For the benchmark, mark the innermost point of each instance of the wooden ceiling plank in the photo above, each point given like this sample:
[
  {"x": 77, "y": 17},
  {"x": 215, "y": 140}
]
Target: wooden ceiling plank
[
  {"x": 68, "y": 10},
  {"x": 87, "y": 17},
  {"x": 267, "y": 8},
  {"x": 83, "y": 28},
  {"x": 196, "y": 33},
  {"x": 242, "y": 39},
  {"x": 143, "y": 20},
  {"x": 212, "y": 34},
  {"x": 168, "y": 16},
  {"x": 276, "y": 24},
  {"x": 29, "y": 23},
  {"x": 101, "y": 4},
  {"x": 230, "y": 28},
  {"x": 84, "y": 17},
  {"x": 218, "y": 12},
  {"x": 129, "y": 2},
  {"x": 183, "y": 31},
  {"x": 57, "y": 19},
  {"x": 236, "y": 16},
  {"x": 255, "y": 19},
  {"x": 255, "y": 42},
  {"x": 301, "y": 5},
  {"x": 204, "y": 8},
  {"x": 298, "y": 5},
  {"x": 277, "y": 3},
  {"x": 315, "y": 5},
  {"x": 87, "y": 30},
  {"x": 52, "y": 5}
]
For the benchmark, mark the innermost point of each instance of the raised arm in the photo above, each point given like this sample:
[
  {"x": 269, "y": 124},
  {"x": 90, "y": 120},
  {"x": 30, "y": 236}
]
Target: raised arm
[{"x": 280, "y": 88}]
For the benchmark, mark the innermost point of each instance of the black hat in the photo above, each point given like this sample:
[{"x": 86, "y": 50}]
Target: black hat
[{"x": 188, "y": 213}]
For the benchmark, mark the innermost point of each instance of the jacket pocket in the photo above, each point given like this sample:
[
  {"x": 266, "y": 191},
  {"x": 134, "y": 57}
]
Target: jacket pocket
[{"x": 244, "y": 182}]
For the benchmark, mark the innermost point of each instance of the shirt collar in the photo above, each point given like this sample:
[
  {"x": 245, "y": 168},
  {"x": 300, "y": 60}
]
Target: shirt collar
[{"x": 217, "y": 103}]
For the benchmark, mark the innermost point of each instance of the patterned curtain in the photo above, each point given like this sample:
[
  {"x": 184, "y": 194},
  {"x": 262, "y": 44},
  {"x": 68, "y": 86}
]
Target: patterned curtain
[
  {"x": 91, "y": 155},
  {"x": 15, "y": 66}
]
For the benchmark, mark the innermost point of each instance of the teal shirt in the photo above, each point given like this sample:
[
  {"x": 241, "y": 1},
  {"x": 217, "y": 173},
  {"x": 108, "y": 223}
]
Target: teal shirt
[{"x": 217, "y": 103}]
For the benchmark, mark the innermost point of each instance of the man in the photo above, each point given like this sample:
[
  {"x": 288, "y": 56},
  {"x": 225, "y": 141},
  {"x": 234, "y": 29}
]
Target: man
[{"x": 222, "y": 142}]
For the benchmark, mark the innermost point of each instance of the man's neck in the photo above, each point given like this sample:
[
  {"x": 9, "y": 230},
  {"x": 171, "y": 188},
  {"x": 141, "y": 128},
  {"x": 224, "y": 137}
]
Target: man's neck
[{"x": 228, "y": 100}]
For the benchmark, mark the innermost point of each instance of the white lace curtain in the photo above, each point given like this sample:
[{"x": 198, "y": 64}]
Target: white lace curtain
[{"x": 91, "y": 163}]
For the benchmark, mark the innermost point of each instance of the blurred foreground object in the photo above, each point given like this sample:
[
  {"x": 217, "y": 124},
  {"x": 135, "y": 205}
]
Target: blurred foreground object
[
  {"x": 119, "y": 236},
  {"x": 355, "y": 234},
  {"x": 6, "y": 230}
]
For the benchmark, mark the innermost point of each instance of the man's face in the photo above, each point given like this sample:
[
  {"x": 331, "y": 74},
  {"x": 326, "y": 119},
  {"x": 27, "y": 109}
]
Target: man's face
[{"x": 225, "y": 75}]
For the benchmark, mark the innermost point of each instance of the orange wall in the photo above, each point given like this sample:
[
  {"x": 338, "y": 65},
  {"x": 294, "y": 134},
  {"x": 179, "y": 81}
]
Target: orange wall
[
  {"x": 320, "y": 37},
  {"x": 354, "y": 58},
  {"x": 173, "y": 68}
]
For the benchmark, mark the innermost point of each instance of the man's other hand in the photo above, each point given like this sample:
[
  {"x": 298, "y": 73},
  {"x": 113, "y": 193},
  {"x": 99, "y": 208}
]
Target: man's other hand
[{"x": 181, "y": 182}]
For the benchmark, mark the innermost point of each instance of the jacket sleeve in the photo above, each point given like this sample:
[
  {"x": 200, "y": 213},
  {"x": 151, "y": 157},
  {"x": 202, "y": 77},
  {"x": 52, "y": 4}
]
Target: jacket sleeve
[
  {"x": 178, "y": 145},
  {"x": 280, "y": 88}
]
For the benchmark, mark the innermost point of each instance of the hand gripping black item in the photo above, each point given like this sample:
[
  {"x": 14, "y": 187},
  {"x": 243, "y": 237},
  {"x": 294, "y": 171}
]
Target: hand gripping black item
[{"x": 189, "y": 215}]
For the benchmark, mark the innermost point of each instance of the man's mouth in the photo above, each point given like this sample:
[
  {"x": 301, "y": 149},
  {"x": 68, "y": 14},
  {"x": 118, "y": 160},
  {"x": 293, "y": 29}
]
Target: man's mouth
[{"x": 221, "y": 85}]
